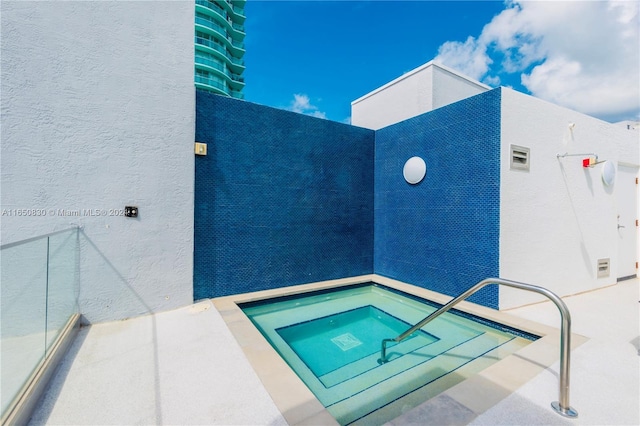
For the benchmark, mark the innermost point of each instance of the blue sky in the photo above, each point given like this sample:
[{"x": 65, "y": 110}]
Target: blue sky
[{"x": 315, "y": 57}]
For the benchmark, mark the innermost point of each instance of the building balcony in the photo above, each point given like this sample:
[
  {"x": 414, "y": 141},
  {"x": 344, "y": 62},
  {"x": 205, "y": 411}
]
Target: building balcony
[
  {"x": 236, "y": 64},
  {"x": 238, "y": 27},
  {"x": 211, "y": 14},
  {"x": 236, "y": 11},
  {"x": 209, "y": 6},
  {"x": 234, "y": 81},
  {"x": 212, "y": 28},
  {"x": 211, "y": 84},
  {"x": 237, "y": 94}
]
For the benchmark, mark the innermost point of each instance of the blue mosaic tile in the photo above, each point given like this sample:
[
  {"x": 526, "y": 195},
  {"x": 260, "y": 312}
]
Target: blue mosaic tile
[
  {"x": 284, "y": 199},
  {"x": 281, "y": 198},
  {"x": 443, "y": 233}
]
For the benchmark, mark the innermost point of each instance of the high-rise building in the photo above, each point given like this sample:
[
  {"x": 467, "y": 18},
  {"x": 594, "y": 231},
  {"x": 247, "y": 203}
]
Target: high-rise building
[{"x": 219, "y": 46}]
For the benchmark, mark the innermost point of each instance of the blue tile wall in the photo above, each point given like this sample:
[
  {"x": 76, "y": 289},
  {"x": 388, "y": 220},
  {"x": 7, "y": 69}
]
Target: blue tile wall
[
  {"x": 443, "y": 233},
  {"x": 280, "y": 199},
  {"x": 283, "y": 199}
]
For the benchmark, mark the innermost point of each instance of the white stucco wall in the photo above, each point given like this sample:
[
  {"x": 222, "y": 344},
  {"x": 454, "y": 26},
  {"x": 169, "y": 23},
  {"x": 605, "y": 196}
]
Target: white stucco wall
[
  {"x": 398, "y": 100},
  {"x": 558, "y": 219},
  {"x": 421, "y": 90},
  {"x": 98, "y": 113},
  {"x": 449, "y": 87}
]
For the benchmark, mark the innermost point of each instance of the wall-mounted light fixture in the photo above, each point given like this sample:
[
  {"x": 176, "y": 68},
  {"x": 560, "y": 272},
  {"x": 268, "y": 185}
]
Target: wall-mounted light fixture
[
  {"x": 590, "y": 160},
  {"x": 608, "y": 173},
  {"x": 414, "y": 170},
  {"x": 131, "y": 211},
  {"x": 200, "y": 148}
]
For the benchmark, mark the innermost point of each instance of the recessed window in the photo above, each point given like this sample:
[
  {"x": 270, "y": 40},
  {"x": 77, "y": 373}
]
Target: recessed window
[{"x": 520, "y": 158}]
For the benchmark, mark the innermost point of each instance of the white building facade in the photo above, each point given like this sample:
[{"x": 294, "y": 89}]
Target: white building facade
[
  {"x": 561, "y": 225},
  {"x": 98, "y": 114},
  {"x": 421, "y": 90}
]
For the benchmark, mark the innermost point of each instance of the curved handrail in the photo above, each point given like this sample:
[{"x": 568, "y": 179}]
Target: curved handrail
[{"x": 562, "y": 406}]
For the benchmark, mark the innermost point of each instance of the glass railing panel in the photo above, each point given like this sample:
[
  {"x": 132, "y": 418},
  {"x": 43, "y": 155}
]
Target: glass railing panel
[
  {"x": 238, "y": 27},
  {"x": 237, "y": 61},
  {"x": 23, "y": 272},
  {"x": 237, "y": 77},
  {"x": 212, "y": 6},
  {"x": 206, "y": 42},
  {"x": 211, "y": 82},
  {"x": 211, "y": 63},
  {"x": 238, "y": 10},
  {"x": 63, "y": 287},
  {"x": 211, "y": 24},
  {"x": 237, "y": 44}
]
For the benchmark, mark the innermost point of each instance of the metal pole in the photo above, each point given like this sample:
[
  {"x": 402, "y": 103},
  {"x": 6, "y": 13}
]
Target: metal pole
[{"x": 561, "y": 406}]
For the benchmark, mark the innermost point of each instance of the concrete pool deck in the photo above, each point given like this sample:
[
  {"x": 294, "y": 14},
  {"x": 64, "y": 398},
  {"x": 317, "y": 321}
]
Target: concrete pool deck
[{"x": 186, "y": 367}]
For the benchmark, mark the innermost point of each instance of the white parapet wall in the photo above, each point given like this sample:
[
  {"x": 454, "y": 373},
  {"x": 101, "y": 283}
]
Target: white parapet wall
[
  {"x": 558, "y": 219},
  {"x": 98, "y": 114},
  {"x": 421, "y": 90}
]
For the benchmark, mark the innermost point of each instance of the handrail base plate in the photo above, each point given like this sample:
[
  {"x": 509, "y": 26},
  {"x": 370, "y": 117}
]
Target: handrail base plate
[{"x": 566, "y": 412}]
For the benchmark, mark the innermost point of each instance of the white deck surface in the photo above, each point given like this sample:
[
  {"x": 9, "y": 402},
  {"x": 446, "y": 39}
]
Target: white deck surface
[
  {"x": 605, "y": 371},
  {"x": 184, "y": 367}
]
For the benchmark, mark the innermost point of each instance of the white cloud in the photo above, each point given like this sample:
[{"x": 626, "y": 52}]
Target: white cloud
[
  {"x": 301, "y": 104},
  {"x": 469, "y": 57},
  {"x": 580, "y": 54}
]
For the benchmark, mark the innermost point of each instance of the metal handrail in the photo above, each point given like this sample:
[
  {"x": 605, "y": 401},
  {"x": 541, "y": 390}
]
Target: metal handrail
[{"x": 562, "y": 406}]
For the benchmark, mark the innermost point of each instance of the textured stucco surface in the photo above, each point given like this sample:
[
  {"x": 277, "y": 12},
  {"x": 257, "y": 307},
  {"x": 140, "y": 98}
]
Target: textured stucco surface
[
  {"x": 558, "y": 219},
  {"x": 421, "y": 90},
  {"x": 449, "y": 87},
  {"x": 398, "y": 100},
  {"x": 98, "y": 113}
]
